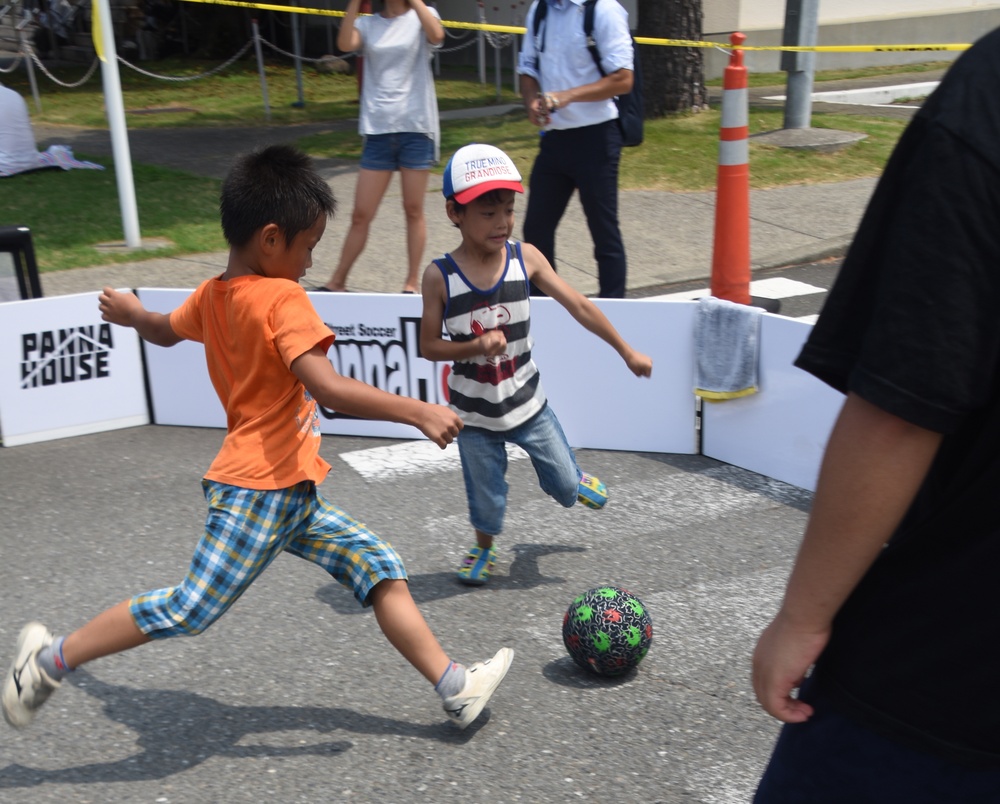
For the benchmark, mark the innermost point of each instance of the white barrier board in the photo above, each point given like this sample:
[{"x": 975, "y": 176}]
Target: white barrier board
[
  {"x": 180, "y": 390},
  {"x": 782, "y": 430},
  {"x": 600, "y": 403},
  {"x": 64, "y": 372}
]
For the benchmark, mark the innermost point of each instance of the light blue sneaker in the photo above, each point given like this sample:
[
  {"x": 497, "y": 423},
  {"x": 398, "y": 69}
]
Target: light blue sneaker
[{"x": 592, "y": 492}]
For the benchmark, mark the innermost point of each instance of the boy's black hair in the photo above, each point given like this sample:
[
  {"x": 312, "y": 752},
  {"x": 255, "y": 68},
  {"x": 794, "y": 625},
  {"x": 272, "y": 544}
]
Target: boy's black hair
[
  {"x": 490, "y": 197},
  {"x": 276, "y": 184}
]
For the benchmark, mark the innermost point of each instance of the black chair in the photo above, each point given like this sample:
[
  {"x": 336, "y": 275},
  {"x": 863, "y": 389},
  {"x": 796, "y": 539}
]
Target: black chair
[{"x": 18, "y": 269}]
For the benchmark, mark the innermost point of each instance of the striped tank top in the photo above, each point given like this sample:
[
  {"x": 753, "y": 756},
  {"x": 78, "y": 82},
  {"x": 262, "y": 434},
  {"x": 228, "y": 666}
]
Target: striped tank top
[{"x": 501, "y": 392}]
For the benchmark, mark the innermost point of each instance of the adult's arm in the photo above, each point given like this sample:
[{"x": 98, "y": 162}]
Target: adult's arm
[
  {"x": 873, "y": 466},
  {"x": 429, "y": 21},
  {"x": 348, "y": 38},
  {"x": 617, "y": 83},
  {"x": 532, "y": 99}
]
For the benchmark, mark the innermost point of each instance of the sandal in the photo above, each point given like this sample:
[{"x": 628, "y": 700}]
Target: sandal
[{"x": 477, "y": 566}]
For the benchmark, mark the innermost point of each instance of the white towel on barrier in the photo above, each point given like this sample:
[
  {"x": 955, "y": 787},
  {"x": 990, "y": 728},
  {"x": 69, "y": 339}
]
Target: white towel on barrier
[{"x": 726, "y": 342}]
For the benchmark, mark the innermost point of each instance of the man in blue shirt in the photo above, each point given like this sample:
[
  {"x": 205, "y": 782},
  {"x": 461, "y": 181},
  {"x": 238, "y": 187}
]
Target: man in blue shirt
[{"x": 567, "y": 96}]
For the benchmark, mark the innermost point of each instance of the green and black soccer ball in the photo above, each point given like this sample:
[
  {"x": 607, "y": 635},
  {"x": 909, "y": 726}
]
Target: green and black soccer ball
[{"x": 607, "y": 630}]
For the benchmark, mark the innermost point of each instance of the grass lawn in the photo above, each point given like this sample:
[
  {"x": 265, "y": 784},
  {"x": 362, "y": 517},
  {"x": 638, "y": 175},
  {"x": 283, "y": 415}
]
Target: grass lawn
[{"x": 69, "y": 213}]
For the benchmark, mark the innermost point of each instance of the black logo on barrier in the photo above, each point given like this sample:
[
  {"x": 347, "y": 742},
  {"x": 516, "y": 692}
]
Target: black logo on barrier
[
  {"x": 59, "y": 356},
  {"x": 390, "y": 361}
]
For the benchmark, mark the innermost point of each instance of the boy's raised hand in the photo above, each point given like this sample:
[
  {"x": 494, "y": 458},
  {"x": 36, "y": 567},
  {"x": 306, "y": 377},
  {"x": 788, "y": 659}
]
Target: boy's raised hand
[
  {"x": 126, "y": 310},
  {"x": 119, "y": 308},
  {"x": 439, "y": 424},
  {"x": 639, "y": 364}
]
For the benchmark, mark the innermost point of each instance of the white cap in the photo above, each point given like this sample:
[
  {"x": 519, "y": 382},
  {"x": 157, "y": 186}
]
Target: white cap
[{"x": 476, "y": 169}]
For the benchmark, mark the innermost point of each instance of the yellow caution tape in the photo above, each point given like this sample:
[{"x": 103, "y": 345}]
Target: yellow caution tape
[
  {"x": 95, "y": 31},
  {"x": 645, "y": 40},
  {"x": 642, "y": 40}
]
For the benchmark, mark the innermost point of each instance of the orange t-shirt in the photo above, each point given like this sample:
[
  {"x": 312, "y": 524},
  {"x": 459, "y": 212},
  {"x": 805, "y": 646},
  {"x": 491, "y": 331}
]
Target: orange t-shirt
[{"x": 253, "y": 327}]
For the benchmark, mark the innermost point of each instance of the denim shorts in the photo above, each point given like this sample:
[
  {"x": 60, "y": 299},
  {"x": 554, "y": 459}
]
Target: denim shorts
[
  {"x": 831, "y": 759},
  {"x": 484, "y": 464},
  {"x": 245, "y": 531},
  {"x": 404, "y": 149}
]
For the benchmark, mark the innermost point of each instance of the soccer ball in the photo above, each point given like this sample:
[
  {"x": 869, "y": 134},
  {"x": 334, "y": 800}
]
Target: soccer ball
[{"x": 607, "y": 630}]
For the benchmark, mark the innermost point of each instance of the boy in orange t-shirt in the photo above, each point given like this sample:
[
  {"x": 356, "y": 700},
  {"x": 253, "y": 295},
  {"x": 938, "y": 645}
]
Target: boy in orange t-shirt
[{"x": 266, "y": 351}]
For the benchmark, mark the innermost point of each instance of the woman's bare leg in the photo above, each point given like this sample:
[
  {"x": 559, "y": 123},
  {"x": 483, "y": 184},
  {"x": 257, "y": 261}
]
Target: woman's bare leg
[
  {"x": 414, "y": 193},
  {"x": 368, "y": 194}
]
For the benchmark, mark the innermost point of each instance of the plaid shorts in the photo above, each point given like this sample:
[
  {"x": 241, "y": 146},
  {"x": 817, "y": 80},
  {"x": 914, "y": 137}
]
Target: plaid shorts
[{"x": 245, "y": 531}]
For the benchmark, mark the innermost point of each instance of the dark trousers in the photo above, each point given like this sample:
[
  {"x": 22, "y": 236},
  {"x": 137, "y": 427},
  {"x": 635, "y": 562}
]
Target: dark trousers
[
  {"x": 586, "y": 160},
  {"x": 830, "y": 759}
]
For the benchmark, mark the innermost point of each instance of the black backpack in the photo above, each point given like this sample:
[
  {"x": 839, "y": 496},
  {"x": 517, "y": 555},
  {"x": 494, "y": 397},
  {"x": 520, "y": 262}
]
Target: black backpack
[{"x": 630, "y": 105}]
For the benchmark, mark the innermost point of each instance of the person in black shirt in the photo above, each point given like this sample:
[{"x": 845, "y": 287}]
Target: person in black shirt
[{"x": 892, "y": 600}]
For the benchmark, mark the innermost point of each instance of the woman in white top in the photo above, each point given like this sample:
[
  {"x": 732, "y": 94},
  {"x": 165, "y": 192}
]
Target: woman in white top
[{"x": 399, "y": 122}]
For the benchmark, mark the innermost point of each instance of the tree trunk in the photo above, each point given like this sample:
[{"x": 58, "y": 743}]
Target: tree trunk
[{"x": 673, "y": 77}]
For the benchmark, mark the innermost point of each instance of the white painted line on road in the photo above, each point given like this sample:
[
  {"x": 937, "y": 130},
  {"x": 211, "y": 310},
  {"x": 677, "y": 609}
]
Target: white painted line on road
[
  {"x": 777, "y": 287},
  {"x": 410, "y": 458}
]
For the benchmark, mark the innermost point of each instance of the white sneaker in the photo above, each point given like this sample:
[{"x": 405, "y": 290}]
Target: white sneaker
[
  {"x": 27, "y": 686},
  {"x": 481, "y": 681}
]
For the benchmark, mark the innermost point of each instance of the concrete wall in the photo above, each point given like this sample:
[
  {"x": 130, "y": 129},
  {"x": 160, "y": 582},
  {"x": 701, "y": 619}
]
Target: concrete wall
[
  {"x": 765, "y": 14},
  {"x": 944, "y": 28}
]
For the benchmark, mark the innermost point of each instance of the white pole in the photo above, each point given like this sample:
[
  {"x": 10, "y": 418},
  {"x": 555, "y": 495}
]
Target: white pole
[{"x": 116, "y": 122}]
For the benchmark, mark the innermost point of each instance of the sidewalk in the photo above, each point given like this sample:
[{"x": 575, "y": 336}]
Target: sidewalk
[{"x": 668, "y": 236}]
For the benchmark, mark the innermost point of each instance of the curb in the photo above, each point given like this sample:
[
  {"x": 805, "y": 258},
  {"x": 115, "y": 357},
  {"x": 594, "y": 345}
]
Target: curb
[{"x": 826, "y": 249}]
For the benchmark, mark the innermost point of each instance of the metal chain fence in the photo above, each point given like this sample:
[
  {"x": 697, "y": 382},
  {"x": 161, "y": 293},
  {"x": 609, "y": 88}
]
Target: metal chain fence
[
  {"x": 206, "y": 74},
  {"x": 463, "y": 40},
  {"x": 45, "y": 70}
]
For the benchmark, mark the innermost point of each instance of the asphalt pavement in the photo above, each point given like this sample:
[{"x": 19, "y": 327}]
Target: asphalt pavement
[{"x": 294, "y": 696}]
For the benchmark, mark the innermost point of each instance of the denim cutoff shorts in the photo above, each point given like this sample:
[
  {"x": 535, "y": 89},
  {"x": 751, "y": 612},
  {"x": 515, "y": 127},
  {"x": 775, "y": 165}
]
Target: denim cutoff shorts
[{"x": 403, "y": 149}]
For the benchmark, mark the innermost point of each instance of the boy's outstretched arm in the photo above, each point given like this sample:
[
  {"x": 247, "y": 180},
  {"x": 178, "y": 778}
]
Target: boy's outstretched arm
[
  {"x": 432, "y": 345},
  {"x": 355, "y": 398},
  {"x": 582, "y": 309},
  {"x": 126, "y": 310}
]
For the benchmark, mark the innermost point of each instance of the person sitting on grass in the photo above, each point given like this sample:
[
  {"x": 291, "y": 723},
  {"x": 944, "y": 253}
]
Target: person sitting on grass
[
  {"x": 480, "y": 293},
  {"x": 266, "y": 350}
]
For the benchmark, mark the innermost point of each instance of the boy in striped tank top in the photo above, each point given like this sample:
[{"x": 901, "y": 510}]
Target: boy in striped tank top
[{"x": 480, "y": 293}]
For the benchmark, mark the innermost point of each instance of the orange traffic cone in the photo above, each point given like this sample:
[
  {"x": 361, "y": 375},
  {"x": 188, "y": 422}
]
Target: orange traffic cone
[{"x": 731, "y": 248}]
